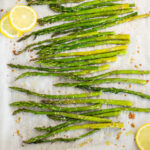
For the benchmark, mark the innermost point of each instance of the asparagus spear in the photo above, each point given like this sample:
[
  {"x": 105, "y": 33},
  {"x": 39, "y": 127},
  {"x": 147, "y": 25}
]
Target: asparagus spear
[
  {"x": 88, "y": 57},
  {"x": 48, "y": 2},
  {"x": 93, "y": 43},
  {"x": 98, "y": 37},
  {"x": 120, "y": 20},
  {"x": 82, "y": 95},
  {"x": 85, "y": 72},
  {"x": 67, "y": 75},
  {"x": 70, "y": 139},
  {"x": 81, "y": 63},
  {"x": 104, "y": 26},
  {"x": 86, "y": 53},
  {"x": 116, "y": 91},
  {"x": 116, "y": 72},
  {"x": 50, "y": 19},
  {"x": 67, "y": 26},
  {"x": 54, "y": 70},
  {"x": 72, "y": 75},
  {"x": 111, "y": 114},
  {"x": 123, "y": 20},
  {"x": 84, "y": 126},
  {"x": 91, "y": 101},
  {"x": 91, "y": 3},
  {"x": 57, "y": 118},
  {"x": 65, "y": 39},
  {"x": 54, "y": 108},
  {"x": 101, "y": 81},
  {"x": 59, "y": 8},
  {"x": 92, "y": 15},
  {"x": 69, "y": 115},
  {"x": 102, "y": 112}
]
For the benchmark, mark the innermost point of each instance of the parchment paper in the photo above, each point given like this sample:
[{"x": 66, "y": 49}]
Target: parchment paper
[{"x": 15, "y": 129}]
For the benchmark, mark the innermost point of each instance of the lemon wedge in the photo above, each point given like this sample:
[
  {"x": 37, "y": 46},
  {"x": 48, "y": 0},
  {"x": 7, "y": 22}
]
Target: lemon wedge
[
  {"x": 143, "y": 137},
  {"x": 7, "y": 30},
  {"x": 23, "y": 18}
]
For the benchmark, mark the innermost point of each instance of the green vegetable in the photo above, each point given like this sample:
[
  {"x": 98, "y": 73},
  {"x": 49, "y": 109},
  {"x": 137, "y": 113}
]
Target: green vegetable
[
  {"x": 69, "y": 139},
  {"x": 72, "y": 75},
  {"x": 101, "y": 81},
  {"x": 54, "y": 70},
  {"x": 66, "y": 26},
  {"x": 91, "y": 101},
  {"x": 59, "y": 17},
  {"x": 82, "y": 95},
  {"x": 116, "y": 91},
  {"x": 116, "y": 72},
  {"x": 93, "y": 52},
  {"x": 54, "y": 108},
  {"x": 88, "y": 57},
  {"x": 69, "y": 115},
  {"x": 84, "y": 126},
  {"x": 81, "y": 63}
]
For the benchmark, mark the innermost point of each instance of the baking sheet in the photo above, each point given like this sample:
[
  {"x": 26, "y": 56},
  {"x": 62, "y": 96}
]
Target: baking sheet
[{"x": 15, "y": 129}]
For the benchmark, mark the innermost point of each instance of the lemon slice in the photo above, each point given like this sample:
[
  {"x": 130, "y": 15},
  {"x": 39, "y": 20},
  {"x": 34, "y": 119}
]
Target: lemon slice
[
  {"x": 23, "y": 18},
  {"x": 6, "y": 28},
  {"x": 143, "y": 137}
]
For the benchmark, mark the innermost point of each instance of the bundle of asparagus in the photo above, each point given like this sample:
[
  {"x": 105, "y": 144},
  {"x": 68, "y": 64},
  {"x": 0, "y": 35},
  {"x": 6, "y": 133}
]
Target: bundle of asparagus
[{"x": 86, "y": 19}]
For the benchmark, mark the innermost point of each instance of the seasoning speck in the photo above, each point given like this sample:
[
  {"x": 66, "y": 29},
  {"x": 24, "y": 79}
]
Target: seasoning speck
[
  {"x": 118, "y": 136},
  {"x": 107, "y": 143},
  {"x": 132, "y": 125},
  {"x": 131, "y": 115},
  {"x": 131, "y": 60},
  {"x": 136, "y": 66},
  {"x": 14, "y": 52},
  {"x": 2, "y": 10},
  {"x": 129, "y": 85},
  {"x": 86, "y": 142},
  {"x": 18, "y": 132}
]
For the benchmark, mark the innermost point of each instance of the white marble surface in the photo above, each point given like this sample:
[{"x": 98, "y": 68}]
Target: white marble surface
[{"x": 138, "y": 50}]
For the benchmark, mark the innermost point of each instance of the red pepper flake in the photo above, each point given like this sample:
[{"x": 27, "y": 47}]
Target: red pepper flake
[
  {"x": 15, "y": 53},
  {"x": 125, "y": 94},
  {"x": 115, "y": 144},
  {"x": 147, "y": 81},
  {"x": 140, "y": 65},
  {"x": 13, "y": 70},
  {"x": 129, "y": 85},
  {"x": 132, "y": 125},
  {"x": 118, "y": 136},
  {"x": 136, "y": 66},
  {"x": 118, "y": 82},
  {"x": 131, "y": 115},
  {"x": 123, "y": 129},
  {"x": 31, "y": 57},
  {"x": 2, "y": 10}
]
